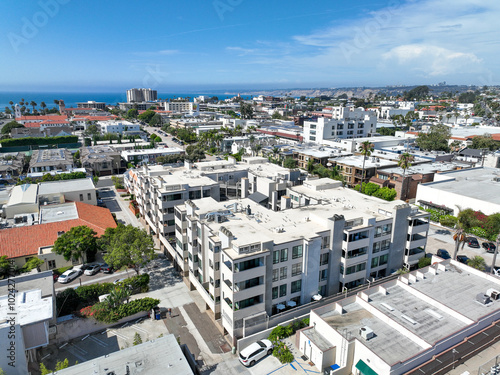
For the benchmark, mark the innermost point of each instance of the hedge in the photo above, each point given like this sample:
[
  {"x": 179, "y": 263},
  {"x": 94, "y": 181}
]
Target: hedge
[
  {"x": 71, "y": 300},
  {"x": 29, "y": 141},
  {"x": 102, "y": 313}
]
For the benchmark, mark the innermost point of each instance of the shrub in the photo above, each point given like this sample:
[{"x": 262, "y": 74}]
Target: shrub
[
  {"x": 283, "y": 354},
  {"x": 424, "y": 262},
  {"x": 137, "y": 339},
  {"x": 102, "y": 313},
  {"x": 280, "y": 332},
  {"x": 370, "y": 188},
  {"x": 478, "y": 232},
  {"x": 30, "y": 141},
  {"x": 448, "y": 221},
  {"x": 385, "y": 193}
]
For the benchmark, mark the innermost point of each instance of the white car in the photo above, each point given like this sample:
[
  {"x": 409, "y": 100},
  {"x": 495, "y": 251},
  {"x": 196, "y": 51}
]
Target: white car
[
  {"x": 92, "y": 270},
  {"x": 68, "y": 276},
  {"x": 255, "y": 351}
]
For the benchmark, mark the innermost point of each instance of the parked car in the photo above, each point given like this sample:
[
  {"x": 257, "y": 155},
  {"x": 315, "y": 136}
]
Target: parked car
[
  {"x": 489, "y": 247},
  {"x": 255, "y": 351},
  {"x": 68, "y": 276},
  {"x": 101, "y": 203},
  {"x": 80, "y": 268},
  {"x": 442, "y": 253},
  {"x": 106, "y": 268},
  {"x": 472, "y": 242},
  {"x": 462, "y": 259},
  {"x": 92, "y": 270}
]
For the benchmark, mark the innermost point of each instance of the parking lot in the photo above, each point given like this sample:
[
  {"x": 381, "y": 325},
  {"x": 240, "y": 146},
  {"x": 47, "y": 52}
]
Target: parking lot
[{"x": 103, "y": 342}]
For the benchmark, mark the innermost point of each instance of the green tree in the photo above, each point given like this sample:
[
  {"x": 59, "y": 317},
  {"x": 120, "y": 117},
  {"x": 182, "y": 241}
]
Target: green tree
[
  {"x": 477, "y": 262},
  {"x": 32, "y": 264},
  {"x": 365, "y": 149},
  {"x": 404, "y": 163},
  {"x": 246, "y": 110},
  {"x": 127, "y": 246},
  {"x": 60, "y": 365},
  {"x": 419, "y": 92},
  {"x": 290, "y": 163},
  {"x": 480, "y": 142},
  {"x": 436, "y": 139},
  {"x": 156, "y": 120},
  {"x": 465, "y": 221},
  {"x": 7, "y": 128},
  {"x": 132, "y": 113},
  {"x": 4, "y": 265},
  {"x": 76, "y": 242},
  {"x": 137, "y": 339},
  {"x": 276, "y": 116},
  {"x": 370, "y": 188},
  {"x": 146, "y": 116},
  {"x": 386, "y": 193}
]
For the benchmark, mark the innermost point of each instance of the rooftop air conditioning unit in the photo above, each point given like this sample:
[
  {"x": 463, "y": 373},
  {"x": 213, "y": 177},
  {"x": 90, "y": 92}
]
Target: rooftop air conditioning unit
[
  {"x": 493, "y": 294},
  {"x": 483, "y": 299},
  {"x": 366, "y": 333}
]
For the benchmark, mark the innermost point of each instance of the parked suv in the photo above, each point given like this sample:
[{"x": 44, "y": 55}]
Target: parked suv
[
  {"x": 442, "y": 253},
  {"x": 472, "y": 242},
  {"x": 255, "y": 351},
  {"x": 489, "y": 247}
]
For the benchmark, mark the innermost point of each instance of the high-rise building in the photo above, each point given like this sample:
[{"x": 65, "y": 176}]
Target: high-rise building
[{"x": 141, "y": 95}]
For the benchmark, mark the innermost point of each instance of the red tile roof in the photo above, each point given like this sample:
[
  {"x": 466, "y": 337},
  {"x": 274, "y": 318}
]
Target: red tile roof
[
  {"x": 25, "y": 241},
  {"x": 38, "y": 118}
]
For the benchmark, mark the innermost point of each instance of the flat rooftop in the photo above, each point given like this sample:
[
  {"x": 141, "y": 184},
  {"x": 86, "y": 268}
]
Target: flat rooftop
[
  {"x": 55, "y": 187},
  {"x": 389, "y": 343},
  {"x": 477, "y": 183},
  {"x": 60, "y": 212},
  {"x": 159, "y": 356},
  {"x": 30, "y": 308}
]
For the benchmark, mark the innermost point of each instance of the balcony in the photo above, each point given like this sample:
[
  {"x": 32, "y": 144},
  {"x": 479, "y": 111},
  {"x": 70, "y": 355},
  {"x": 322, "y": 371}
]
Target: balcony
[
  {"x": 412, "y": 257},
  {"x": 416, "y": 240},
  {"x": 418, "y": 226}
]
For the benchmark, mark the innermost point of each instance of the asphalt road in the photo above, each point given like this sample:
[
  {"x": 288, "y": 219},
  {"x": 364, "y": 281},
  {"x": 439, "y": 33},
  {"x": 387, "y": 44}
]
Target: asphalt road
[{"x": 97, "y": 278}]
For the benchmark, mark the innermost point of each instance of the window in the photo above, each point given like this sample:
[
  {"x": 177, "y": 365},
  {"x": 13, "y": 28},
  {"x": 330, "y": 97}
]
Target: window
[
  {"x": 355, "y": 253},
  {"x": 217, "y": 266},
  {"x": 383, "y": 259},
  {"x": 283, "y": 272},
  {"x": 323, "y": 275},
  {"x": 248, "y": 264},
  {"x": 325, "y": 242},
  {"x": 312, "y": 138},
  {"x": 276, "y": 256},
  {"x": 81, "y": 197},
  {"x": 383, "y": 230},
  {"x": 375, "y": 262},
  {"x": 358, "y": 236},
  {"x": 248, "y": 302},
  {"x": 296, "y": 269},
  {"x": 174, "y": 197},
  {"x": 276, "y": 274},
  {"x": 170, "y": 210},
  {"x": 296, "y": 286},
  {"x": 51, "y": 264},
  {"x": 284, "y": 255},
  {"x": 297, "y": 252},
  {"x": 89, "y": 196},
  {"x": 356, "y": 268},
  {"x": 340, "y": 126},
  {"x": 275, "y": 292},
  {"x": 283, "y": 290},
  {"x": 323, "y": 259}
]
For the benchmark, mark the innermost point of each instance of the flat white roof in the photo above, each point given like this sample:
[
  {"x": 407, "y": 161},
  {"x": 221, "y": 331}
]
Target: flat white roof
[
  {"x": 54, "y": 187},
  {"x": 23, "y": 194},
  {"x": 152, "y": 151},
  {"x": 29, "y": 306},
  {"x": 60, "y": 212}
]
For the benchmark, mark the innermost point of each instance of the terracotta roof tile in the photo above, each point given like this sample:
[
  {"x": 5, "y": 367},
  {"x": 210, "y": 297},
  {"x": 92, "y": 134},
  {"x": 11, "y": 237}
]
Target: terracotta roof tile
[{"x": 25, "y": 241}]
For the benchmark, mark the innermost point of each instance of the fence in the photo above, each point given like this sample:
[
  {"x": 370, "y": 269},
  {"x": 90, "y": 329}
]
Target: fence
[{"x": 36, "y": 147}]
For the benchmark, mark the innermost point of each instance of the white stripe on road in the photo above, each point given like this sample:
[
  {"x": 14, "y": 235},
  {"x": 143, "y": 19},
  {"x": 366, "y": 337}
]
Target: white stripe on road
[{"x": 98, "y": 342}]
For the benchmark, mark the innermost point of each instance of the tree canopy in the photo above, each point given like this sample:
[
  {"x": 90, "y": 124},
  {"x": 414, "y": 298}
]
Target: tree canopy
[
  {"x": 127, "y": 246},
  {"x": 485, "y": 141},
  {"x": 246, "y": 110},
  {"x": 418, "y": 92},
  {"x": 7, "y": 128},
  {"x": 146, "y": 116},
  {"x": 76, "y": 242},
  {"x": 436, "y": 139},
  {"x": 290, "y": 163}
]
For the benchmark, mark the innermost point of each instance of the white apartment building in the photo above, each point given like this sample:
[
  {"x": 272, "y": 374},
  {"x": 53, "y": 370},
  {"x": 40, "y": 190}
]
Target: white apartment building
[
  {"x": 141, "y": 95},
  {"x": 345, "y": 123},
  {"x": 117, "y": 127},
  {"x": 178, "y": 106},
  {"x": 247, "y": 260},
  {"x": 149, "y": 155}
]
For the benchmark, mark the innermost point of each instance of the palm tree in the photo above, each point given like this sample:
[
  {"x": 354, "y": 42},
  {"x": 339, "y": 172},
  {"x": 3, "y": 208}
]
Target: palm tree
[
  {"x": 43, "y": 105},
  {"x": 448, "y": 116},
  {"x": 404, "y": 162},
  {"x": 33, "y": 104},
  {"x": 366, "y": 149},
  {"x": 459, "y": 236},
  {"x": 477, "y": 262}
]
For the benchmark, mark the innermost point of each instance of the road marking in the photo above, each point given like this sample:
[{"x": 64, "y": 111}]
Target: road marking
[
  {"x": 82, "y": 351},
  {"x": 98, "y": 342},
  {"x": 140, "y": 329},
  {"x": 118, "y": 334}
]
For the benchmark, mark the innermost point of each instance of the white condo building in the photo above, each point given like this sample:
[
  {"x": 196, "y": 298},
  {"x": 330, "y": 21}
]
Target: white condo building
[
  {"x": 278, "y": 242},
  {"x": 345, "y": 123},
  {"x": 141, "y": 95}
]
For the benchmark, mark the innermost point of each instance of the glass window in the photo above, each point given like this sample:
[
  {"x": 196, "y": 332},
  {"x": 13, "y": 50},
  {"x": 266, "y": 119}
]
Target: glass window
[
  {"x": 296, "y": 269},
  {"x": 283, "y": 272},
  {"x": 276, "y": 256},
  {"x": 323, "y": 259},
  {"x": 81, "y": 197},
  {"x": 383, "y": 259},
  {"x": 89, "y": 196},
  {"x": 276, "y": 274},
  {"x": 323, "y": 275},
  {"x": 375, "y": 262},
  {"x": 275, "y": 292},
  {"x": 283, "y": 290},
  {"x": 296, "y": 286},
  {"x": 284, "y": 255},
  {"x": 297, "y": 252}
]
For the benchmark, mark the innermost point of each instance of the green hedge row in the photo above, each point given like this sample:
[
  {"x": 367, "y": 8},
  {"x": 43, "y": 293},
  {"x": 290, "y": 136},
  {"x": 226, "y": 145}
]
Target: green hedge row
[
  {"x": 29, "y": 141},
  {"x": 102, "y": 313},
  {"x": 71, "y": 300}
]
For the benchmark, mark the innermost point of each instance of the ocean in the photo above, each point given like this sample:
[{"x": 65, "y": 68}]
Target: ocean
[{"x": 70, "y": 99}]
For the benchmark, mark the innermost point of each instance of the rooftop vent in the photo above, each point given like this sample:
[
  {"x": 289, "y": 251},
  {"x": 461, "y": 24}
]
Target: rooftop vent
[
  {"x": 60, "y": 233},
  {"x": 366, "y": 333},
  {"x": 483, "y": 299}
]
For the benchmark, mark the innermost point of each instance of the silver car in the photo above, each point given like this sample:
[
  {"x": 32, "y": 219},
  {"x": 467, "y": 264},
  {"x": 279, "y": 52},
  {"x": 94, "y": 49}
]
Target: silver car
[{"x": 68, "y": 276}]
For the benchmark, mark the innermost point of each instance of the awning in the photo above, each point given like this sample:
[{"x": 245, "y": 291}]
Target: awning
[
  {"x": 291, "y": 303},
  {"x": 258, "y": 197},
  {"x": 364, "y": 369}
]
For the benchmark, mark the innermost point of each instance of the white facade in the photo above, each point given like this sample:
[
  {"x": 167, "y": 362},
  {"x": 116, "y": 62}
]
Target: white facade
[
  {"x": 117, "y": 127},
  {"x": 141, "y": 95},
  {"x": 179, "y": 106},
  {"x": 345, "y": 123}
]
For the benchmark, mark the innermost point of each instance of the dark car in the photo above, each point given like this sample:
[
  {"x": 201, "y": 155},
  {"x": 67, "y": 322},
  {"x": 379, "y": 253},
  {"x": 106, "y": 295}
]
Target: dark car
[
  {"x": 105, "y": 268},
  {"x": 472, "y": 242},
  {"x": 462, "y": 259},
  {"x": 489, "y": 247},
  {"x": 442, "y": 253}
]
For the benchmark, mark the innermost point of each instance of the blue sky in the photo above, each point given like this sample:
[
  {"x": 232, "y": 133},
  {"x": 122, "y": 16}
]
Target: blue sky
[{"x": 201, "y": 44}]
